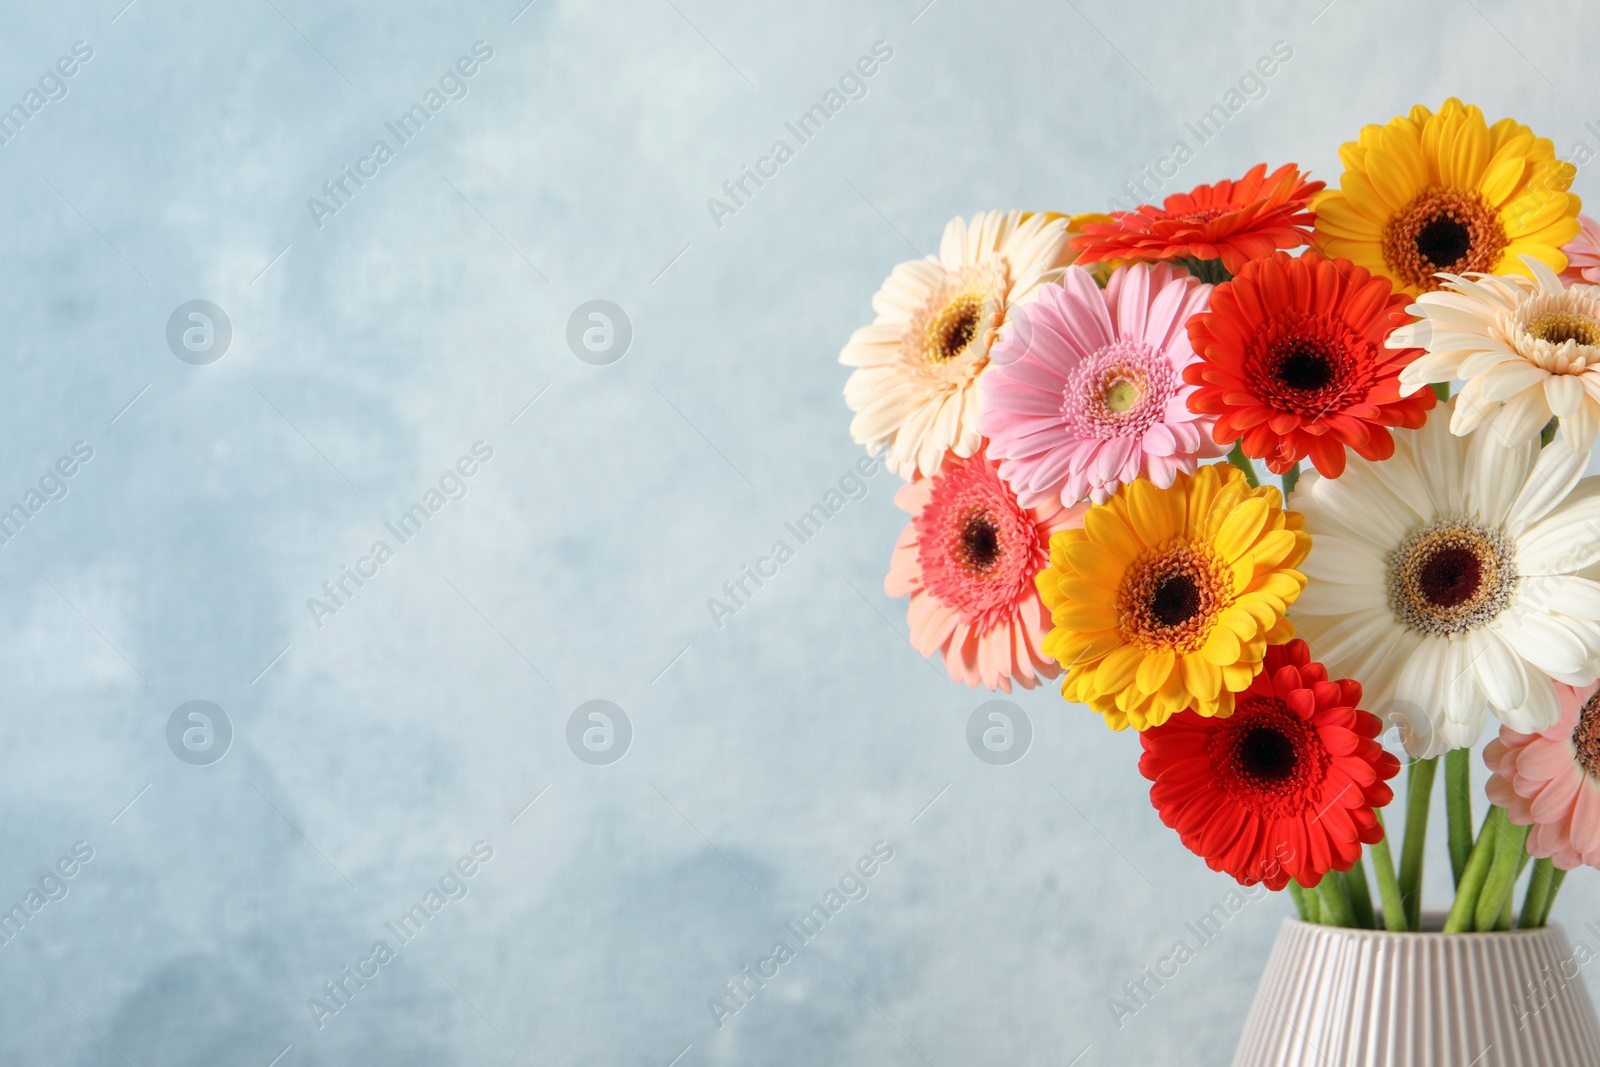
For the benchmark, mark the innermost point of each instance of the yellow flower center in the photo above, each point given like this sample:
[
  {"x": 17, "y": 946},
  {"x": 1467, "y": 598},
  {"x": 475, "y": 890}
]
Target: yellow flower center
[
  {"x": 1443, "y": 229},
  {"x": 1171, "y": 597},
  {"x": 1559, "y": 327},
  {"x": 1121, "y": 395}
]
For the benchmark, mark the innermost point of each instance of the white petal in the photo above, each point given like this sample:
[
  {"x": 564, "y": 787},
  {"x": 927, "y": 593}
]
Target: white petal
[
  {"x": 1566, "y": 539},
  {"x": 1499, "y": 671},
  {"x": 1495, "y": 473},
  {"x": 1554, "y": 474},
  {"x": 1336, "y": 598},
  {"x": 1539, "y": 712},
  {"x": 1335, "y": 559},
  {"x": 1543, "y": 642}
]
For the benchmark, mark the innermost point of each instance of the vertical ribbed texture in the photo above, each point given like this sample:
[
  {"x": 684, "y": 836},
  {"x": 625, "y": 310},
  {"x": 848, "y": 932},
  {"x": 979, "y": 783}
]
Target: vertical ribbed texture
[{"x": 1368, "y": 998}]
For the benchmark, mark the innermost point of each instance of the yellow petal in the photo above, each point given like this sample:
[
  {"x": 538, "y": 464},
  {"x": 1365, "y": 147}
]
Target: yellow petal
[
  {"x": 1154, "y": 518},
  {"x": 1221, "y": 647},
  {"x": 1155, "y": 669},
  {"x": 1118, "y": 669}
]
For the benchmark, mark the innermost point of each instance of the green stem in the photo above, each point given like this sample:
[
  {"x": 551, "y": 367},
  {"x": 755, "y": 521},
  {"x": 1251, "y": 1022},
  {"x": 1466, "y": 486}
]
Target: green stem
[
  {"x": 1335, "y": 900},
  {"x": 1298, "y": 895},
  {"x": 1240, "y": 460},
  {"x": 1458, "y": 808},
  {"x": 1548, "y": 434},
  {"x": 1360, "y": 895},
  {"x": 1291, "y": 478},
  {"x": 1310, "y": 898},
  {"x": 1507, "y": 908},
  {"x": 1502, "y": 876},
  {"x": 1540, "y": 884},
  {"x": 1555, "y": 887},
  {"x": 1394, "y": 912},
  {"x": 1472, "y": 879},
  {"x": 1442, "y": 389},
  {"x": 1419, "y": 793}
]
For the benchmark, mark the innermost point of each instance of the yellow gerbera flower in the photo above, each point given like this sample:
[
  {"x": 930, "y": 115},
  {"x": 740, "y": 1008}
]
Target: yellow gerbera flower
[
  {"x": 1448, "y": 192},
  {"x": 1167, "y": 599}
]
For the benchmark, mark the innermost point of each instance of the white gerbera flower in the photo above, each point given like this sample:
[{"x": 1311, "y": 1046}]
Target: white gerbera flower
[
  {"x": 1444, "y": 580},
  {"x": 937, "y": 318},
  {"x": 1527, "y": 348}
]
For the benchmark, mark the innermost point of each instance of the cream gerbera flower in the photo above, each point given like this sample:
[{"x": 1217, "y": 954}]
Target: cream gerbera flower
[
  {"x": 937, "y": 318},
  {"x": 1445, "y": 579},
  {"x": 1528, "y": 348}
]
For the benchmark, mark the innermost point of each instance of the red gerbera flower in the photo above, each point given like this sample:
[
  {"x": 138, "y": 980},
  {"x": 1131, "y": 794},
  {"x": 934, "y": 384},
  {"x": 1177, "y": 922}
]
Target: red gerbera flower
[
  {"x": 1234, "y": 221},
  {"x": 1292, "y": 361},
  {"x": 1284, "y": 787}
]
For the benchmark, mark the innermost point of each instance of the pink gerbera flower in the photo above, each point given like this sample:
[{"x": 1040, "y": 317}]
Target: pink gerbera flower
[
  {"x": 1551, "y": 781},
  {"x": 1087, "y": 390},
  {"x": 1583, "y": 254},
  {"x": 967, "y": 560}
]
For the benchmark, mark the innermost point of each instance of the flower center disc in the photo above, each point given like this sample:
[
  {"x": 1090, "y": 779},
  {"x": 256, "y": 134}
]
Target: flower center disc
[
  {"x": 1443, "y": 229},
  {"x": 1266, "y": 754},
  {"x": 1305, "y": 368},
  {"x": 1171, "y": 598},
  {"x": 1267, "y": 759},
  {"x": 978, "y": 545},
  {"x": 1450, "y": 577},
  {"x": 1586, "y": 738},
  {"x": 1121, "y": 395},
  {"x": 952, "y": 330},
  {"x": 950, "y": 335},
  {"x": 1559, "y": 327}
]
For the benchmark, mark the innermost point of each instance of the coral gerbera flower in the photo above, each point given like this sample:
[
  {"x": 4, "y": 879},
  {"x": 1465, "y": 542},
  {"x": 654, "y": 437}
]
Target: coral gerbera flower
[
  {"x": 1168, "y": 598},
  {"x": 1284, "y": 787},
  {"x": 937, "y": 317},
  {"x": 1583, "y": 254},
  {"x": 1087, "y": 391},
  {"x": 1447, "y": 579},
  {"x": 1528, "y": 348},
  {"x": 1234, "y": 221},
  {"x": 967, "y": 560},
  {"x": 1293, "y": 363},
  {"x": 1448, "y": 192},
  {"x": 1551, "y": 781}
]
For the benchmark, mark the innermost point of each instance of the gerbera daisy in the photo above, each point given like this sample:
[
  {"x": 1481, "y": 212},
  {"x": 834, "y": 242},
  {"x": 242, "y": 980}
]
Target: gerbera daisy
[
  {"x": 967, "y": 560},
  {"x": 1583, "y": 254},
  {"x": 1234, "y": 221},
  {"x": 1168, "y": 598},
  {"x": 1551, "y": 781},
  {"x": 1292, "y": 362},
  {"x": 1445, "y": 578},
  {"x": 1087, "y": 392},
  {"x": 1284, "y": 787},
  {"x": 937, "y": 317},
  {"x": 1447, "y": 192},
  {"x": 1528, "y": 348}
]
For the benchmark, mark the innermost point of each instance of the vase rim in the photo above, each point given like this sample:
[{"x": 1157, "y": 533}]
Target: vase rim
[{"x": 1433, "y": 918}]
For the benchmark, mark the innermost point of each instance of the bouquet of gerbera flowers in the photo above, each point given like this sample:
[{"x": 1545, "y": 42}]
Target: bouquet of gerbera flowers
[{"x": 1078, "y": 403}]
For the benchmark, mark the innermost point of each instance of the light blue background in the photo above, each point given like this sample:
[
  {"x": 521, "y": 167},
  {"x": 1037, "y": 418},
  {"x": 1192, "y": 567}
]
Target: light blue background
[{"x": 768, "y": 754}]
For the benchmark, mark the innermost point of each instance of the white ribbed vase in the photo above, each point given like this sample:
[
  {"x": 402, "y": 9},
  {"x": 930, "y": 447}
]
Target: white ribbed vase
[{"x": 1332, "y": 997}]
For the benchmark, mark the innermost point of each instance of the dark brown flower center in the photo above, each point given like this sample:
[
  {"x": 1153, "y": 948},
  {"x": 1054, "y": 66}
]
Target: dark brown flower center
[
  {"x": 978, "y": 543},
  {"x": 1175, "y": 600},
  {"x": 1452, "y": 576},
  {"x": 1442, "y": 229},
  {"x": 1443, "y": 241},
  {"x": 1586, "y": 738},
  {"x": 1305, "y": 367},
  {"x": 1449, "y": 577},
  {"x": 958, "y": 331},
  {"x": 1266, "y": 754}
]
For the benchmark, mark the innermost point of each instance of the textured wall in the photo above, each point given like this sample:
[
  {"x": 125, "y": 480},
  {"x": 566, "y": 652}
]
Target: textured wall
[{"x": 421, "y": 721}]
